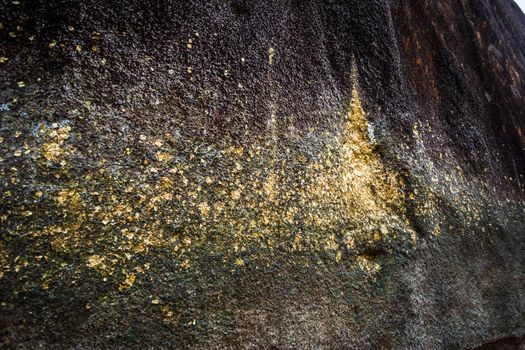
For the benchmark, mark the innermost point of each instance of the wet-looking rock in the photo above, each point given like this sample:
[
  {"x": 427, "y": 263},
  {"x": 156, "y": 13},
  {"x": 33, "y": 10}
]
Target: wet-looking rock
[{"x": 262, "y": 174}]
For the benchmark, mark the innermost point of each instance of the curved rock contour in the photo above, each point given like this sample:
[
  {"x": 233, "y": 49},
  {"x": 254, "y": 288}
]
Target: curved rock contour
[{"x": 319, "y": 174}]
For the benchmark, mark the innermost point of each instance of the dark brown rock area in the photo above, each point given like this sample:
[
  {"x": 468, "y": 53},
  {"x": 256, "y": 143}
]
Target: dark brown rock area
[{"x": 316, "y": 174}]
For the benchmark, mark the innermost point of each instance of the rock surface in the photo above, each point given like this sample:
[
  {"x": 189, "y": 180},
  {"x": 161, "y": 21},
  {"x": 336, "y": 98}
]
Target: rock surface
[{"x": 319, "y": 174}]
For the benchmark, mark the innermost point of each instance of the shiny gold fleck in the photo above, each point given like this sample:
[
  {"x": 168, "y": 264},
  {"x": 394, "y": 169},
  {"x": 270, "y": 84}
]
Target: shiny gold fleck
[
  {"x": 95, "y": 261},
  {"x": 163, "y": 157},
  {"x": 127, "y": 283},
  {"x": 204, "y": 209},
  {"x": 239, "y": 262}
]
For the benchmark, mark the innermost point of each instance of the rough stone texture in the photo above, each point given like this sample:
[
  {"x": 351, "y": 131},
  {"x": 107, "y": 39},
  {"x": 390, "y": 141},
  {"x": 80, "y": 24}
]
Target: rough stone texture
[{"x": 315, "y": 174}]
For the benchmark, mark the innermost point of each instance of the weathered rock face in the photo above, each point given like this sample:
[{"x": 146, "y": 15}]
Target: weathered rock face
[{"x": 262, "y": 174}]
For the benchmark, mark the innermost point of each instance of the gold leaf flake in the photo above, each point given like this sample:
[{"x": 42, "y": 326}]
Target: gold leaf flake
[
  {"x": 236, "y": 194},
  {"x": 204, "y": 209},
  {"x": 127, "y": 283},
  {"x": 95, "y": 261},
  {"x": 338, "y": 256},
  {"x": 52, "y": 151},
  {"x": 239, "y": 262},
  {"x": 163, "y": 157}
]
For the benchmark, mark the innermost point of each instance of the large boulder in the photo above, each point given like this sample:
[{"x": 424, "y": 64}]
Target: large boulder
[{"x": 316, "y": 174}]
